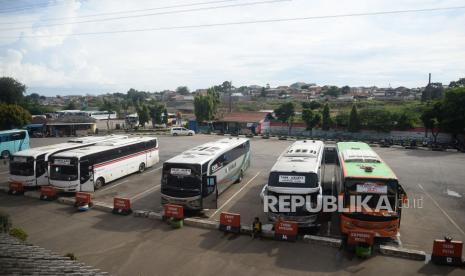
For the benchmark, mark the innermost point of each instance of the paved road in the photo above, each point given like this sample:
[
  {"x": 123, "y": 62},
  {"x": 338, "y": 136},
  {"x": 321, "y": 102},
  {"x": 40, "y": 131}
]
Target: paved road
[
  {"x": 138, "y": 246},
  {"x": 433, "y": 178}
]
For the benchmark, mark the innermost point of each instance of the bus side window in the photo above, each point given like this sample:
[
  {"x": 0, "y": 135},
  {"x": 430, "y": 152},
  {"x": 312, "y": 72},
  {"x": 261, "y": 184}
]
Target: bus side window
[{"x": 5, "y": 138}]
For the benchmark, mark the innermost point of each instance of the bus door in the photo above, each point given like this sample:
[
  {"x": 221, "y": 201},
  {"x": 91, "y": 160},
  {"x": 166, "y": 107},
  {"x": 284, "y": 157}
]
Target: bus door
[
  {"x": 41, "y": 174},
  {"x": 86, "y": 176},
  {"x": 209, "y": 192}
]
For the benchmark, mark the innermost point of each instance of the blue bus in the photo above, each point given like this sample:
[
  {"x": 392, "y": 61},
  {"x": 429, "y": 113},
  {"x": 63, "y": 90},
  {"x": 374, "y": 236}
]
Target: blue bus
[{"x": 12, "y": 141}]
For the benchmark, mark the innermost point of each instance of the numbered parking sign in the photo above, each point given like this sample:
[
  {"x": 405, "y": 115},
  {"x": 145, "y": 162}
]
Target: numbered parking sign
[
  {"x": 230, "y": 222},
  {"x": 286, "y": 231},
  {"x": 447, "y": 252}
]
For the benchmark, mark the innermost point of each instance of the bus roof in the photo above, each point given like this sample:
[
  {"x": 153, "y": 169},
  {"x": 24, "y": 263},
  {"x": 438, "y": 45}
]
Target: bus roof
[
  {"x": 203, "y": 153},
  {"x": 358, "y": 160},
  {"x": 102, "y": 146},
  {"x": 71, "y": 143},
  {"x": 11, "y": 131},
  {"x": 302, "y": 156}
]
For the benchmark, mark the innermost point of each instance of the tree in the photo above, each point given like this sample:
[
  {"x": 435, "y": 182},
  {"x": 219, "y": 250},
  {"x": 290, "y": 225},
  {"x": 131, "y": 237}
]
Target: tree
[
  {"x": 183, "y": 90},
  {"x": 378, "y": 119},
  {"x": 204, "y": 108},
  {"x": 71, "y": 106},
  {"x": 11, "y": 91},
  {"x": 459, "y": 83},
  {"x": 333, "y": 91},
  {"x": 345, "y": 90},
  {"x": 453, "y": 110},
  {"x": 285, "y": 113},
  {"x": 310, "y": 118},
  {"x": 156, "y": 113},
  {"x": 432, "y": 118},
  {"x": 311, "y": 105},
  {"x": 215, "y": 97},
  {"x": 263, "y": 92},
  {"x": 13, "y": 116},
  {"x": 165, "y": 117},
  {"x": 404, "y": 120},
  {"x": 34, "y": 97},
  {"x": 342, "y": 119},
  {"x": 143, "y": 113},
  {"x": 433, "y": 91},
  {"x": 354, "y": 120},
  {"x": 326, "y": 123}
]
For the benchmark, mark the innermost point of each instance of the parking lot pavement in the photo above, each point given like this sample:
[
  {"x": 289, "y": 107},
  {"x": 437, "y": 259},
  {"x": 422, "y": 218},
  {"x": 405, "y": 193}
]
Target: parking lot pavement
[
  {"x": 433, "y": 180},
  {"x": 128, "y": 246}
]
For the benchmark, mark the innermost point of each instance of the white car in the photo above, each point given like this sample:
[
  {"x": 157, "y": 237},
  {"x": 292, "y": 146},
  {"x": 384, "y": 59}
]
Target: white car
[{"x": 175, "y": 131}]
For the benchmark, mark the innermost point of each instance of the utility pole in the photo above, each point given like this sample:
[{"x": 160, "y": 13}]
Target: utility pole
[{"x": 230, "y": 96}]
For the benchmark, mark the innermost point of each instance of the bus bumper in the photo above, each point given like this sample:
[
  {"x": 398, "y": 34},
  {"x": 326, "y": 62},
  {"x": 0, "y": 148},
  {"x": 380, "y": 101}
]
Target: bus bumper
[
  {"x": 302, "y": 221},
  {"x": 191, "y": 203},
  {"x": 382, "y": 229}
]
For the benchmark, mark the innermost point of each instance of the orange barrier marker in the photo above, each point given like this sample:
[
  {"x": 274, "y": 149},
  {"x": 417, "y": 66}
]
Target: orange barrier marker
[
  {"x": 173, "y": 211},
  {"x": 286, "y": 230},
  {"x": 230, "y": 222},
  {"x": 121, "y": 206},
  {"x": 447, "y": 252},
  {"x": 48, "y": 193},
  {"x": 83, "y": 201}
]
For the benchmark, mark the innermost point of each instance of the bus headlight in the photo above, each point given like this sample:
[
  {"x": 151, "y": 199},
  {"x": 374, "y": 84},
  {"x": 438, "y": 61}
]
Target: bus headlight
[{"x": 349, "y": 224}]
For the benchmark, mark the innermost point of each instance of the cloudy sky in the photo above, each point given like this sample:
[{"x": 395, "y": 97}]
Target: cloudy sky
[{"x": 47, "y": 45}]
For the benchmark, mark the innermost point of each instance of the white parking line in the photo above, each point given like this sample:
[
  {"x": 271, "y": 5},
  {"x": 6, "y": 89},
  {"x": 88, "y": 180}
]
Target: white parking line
[
  {"x": 113, "y": 186},
  {"x": 227, "y": 201},
  {"x": 153, "y": 170},
  {"x": 144, "y": 192},
  {"x": 442, "y": 210}
]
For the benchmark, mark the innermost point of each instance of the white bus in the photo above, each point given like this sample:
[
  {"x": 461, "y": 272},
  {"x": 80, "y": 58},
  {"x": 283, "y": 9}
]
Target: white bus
[
  {"x": 296, "y": 172},
  {"x": 29, "y": 167},
  {"x": 102, "y": 115},
  {"x": 194, "y": 178},
  {"x": 89, "y": 168}
]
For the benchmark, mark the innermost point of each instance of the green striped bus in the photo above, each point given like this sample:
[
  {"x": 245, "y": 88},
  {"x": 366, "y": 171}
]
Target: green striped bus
[{"x": 361, "y": 172}]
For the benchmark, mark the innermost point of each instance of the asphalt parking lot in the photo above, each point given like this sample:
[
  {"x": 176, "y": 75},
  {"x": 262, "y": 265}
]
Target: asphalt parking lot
[
  {"x": 124, "y": 245},
  {"x": 434, "y": 180}
]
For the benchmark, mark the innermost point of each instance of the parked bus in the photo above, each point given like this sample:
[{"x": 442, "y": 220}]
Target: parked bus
[
  {"x": 12, "y": 141},
  {"x": 102, "y": 115},
  {"x": 89, "y": 168},
  {"x": 361, "y": 172},
  {"x": 196, "y": 177},
  {"x": 297, "y": 172},
  {"x": 30, "y": 167}
]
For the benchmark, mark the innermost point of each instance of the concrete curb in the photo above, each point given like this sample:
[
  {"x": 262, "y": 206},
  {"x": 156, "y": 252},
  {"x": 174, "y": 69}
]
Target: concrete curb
[
  {"x": 402, "y": 252},
  {"x": 245, "y": 230},
  {"x": 327, "y": 241}
]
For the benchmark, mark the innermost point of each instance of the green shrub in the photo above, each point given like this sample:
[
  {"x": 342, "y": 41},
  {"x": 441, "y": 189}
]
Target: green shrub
[
  {"x": 18, "y": 233},
  {"x": 71, "y": 256},
  {"x": 5, "y": 222}
]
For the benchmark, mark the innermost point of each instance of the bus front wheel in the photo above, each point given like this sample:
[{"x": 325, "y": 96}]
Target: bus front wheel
[
  {"x": 99, "y": 183},
  {"x": 141, "y": 167},
  {"x": 5, "y": 154},
  {"x": 240, "y": 177}
]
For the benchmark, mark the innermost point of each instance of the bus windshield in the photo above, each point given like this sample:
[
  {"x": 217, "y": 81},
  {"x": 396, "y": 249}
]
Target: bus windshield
[
  {"x": 293, "y": 180},
  {"x": 23, "y": 166},
  {"x": 181, "y": 180},
  {"x": 63, "y": 169},
  {"x": 374, "y": 189}
]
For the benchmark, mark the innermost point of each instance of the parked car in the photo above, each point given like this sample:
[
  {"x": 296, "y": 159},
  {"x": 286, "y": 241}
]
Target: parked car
[{"x": 175, "y": 131}]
